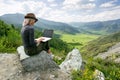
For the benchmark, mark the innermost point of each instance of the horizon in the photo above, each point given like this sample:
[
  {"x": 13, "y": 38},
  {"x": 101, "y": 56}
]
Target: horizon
[
  {"x": 59, "y": 21},
  {"x": 65, "y": 10}
]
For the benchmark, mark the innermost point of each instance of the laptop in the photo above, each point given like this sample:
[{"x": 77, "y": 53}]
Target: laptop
[{"x": 47, "y": 35}]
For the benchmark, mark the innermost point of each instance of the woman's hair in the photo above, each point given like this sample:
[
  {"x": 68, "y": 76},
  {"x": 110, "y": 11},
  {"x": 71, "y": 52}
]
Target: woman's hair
[{"x": 27, "y": 21}]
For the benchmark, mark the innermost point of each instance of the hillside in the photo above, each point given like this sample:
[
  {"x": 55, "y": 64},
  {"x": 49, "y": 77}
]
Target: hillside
[
  {"x": 17, "y": 20},
  {"x": 9, "y": 37},
  {"x": 100, "y": 44},
  {"x": 113, "y": 53},
  {"x": 98, "y": 27}
]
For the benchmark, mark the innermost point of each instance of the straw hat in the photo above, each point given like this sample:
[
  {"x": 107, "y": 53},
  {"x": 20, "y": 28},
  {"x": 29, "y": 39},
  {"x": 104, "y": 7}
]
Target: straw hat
[{"x": 31, "y": 16}]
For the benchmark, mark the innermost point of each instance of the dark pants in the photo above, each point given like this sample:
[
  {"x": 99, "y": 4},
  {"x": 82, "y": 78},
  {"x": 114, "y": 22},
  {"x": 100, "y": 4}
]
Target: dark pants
[{"x": 36, "y": 50}]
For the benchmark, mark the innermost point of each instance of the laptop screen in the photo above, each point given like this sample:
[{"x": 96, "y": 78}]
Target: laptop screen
[{"x": 48, "y": 33}]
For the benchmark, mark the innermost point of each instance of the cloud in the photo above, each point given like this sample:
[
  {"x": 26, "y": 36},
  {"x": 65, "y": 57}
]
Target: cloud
[
  {"x": 51, "y": 1},
  {"x": 66, "y": 11},
  {"x": 78, "y": 5},
  {"x": 32, "y": 6},
  {"x": 53, "y": 5},
  {"x": 88, "y": 6},
  {"x": 102, "y": 16},
  {"x": 39, "y": 8},
  {"x": 91, "y": 0},
  {"x": 10, "y": 7},
  {"x": 108, "y": 4},
  {"x": 69, "y": 2}
]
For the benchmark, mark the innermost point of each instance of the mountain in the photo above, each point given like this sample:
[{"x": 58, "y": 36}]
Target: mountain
[
  {"x": 110, "y": 26},
  {"x": 17, "y": 20}
]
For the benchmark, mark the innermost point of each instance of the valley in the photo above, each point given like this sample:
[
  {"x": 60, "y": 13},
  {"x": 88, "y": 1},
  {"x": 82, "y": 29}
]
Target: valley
[
  {"x": 78, "y": 40},
  {"x": 90, "y": 38}
]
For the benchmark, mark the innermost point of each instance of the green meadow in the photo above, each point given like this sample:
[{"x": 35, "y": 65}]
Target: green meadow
[{"x": 78, "y": 40}]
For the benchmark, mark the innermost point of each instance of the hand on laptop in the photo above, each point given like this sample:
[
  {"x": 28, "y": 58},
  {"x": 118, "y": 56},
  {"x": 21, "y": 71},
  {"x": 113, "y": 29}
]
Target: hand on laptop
[{"x": 39, "y": 39}]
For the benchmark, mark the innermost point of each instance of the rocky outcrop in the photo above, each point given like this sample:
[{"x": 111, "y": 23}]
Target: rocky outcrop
[
  {"x": 39, "y": 67},
  {"x": 73, "y": 61},
  {"x": 11, "y": 69},
  {"x": 113, "y": 54}
]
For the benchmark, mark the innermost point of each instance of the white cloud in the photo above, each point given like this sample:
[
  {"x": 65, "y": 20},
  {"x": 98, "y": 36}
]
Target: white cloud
[
  {"x": 53, "y": 5},
  {"x": 12, "y": 7},
  {"x": 77, "y": 5},
  {"x": 69, "y": 11},
  {"x": 39, "y": 8},
  {"x": 36, "y": 7},
  {"x": 91, "y": 0},
  {"x": 51, "y": 0},
  {"x": 105, "y": 5},
  {"x": 88, "y": 6},
  {"x": 62, "y": 16},
  {"x": 108, "y": 4},
  {"x": 103, "y": 16},
  {"x": 69, "y": 2},
  {"x": 55, "y": 14}
]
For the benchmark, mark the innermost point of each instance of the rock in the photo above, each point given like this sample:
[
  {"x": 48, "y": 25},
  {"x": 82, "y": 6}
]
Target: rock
[
  {"x": 41, "y": 61},
  {"x": 40, "y": 67},
  {"x": 117, "y": 60},
  {"x": 9, "y": 66},
  {"x": 98, "y": 75},
  {"x": 113, "y": 54},
  {"x": 73, "y": 61}
]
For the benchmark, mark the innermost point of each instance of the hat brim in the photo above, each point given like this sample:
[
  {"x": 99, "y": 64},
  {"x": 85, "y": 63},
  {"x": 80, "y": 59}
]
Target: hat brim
[{"x": 31, "y": 18}]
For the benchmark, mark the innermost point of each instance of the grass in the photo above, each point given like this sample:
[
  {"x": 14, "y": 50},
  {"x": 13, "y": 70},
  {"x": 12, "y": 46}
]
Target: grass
[{"x": 78, "y": 40}]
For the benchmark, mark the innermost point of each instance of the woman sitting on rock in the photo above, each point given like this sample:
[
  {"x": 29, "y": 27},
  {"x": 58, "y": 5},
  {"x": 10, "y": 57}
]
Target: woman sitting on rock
[{"x": 27, "y": 32}]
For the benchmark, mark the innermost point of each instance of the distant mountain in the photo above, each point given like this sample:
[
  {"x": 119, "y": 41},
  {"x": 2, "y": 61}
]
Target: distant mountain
[
  {"x": 103, "y": 26},
  {"x": 17, "y": 20}
]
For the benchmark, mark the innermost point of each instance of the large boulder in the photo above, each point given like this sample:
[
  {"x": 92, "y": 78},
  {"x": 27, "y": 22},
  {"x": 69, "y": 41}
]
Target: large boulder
[
  {"x": 41, "y": 61},
  {"x": 73, "y": 61}
]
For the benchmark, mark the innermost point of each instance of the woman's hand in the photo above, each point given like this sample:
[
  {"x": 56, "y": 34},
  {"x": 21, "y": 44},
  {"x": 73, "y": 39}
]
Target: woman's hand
[
  {"x": 49, "y": 52},
  {"x": 39, "y": 39}
]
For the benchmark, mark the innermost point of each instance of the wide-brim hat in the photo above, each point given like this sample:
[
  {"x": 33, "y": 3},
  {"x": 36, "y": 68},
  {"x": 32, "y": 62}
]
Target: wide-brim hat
[{"x": 31, "y": 16}]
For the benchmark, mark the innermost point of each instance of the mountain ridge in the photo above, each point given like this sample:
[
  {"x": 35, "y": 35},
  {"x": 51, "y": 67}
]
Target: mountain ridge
[
  {"x": 110, "y": 26},
  {"x": 17, "y": 19}
]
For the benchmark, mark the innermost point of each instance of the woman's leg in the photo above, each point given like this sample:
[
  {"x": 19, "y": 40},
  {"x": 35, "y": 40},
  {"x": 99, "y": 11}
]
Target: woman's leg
[
  {"x": 43, "y": 46},
  {"x": 31, "y": 51}
]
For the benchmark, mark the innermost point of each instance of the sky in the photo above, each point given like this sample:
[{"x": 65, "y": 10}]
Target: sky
[{"x": 64, "y": 10}]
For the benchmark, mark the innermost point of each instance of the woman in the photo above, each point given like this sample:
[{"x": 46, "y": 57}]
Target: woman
[{"x": 27, "y": 32}]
